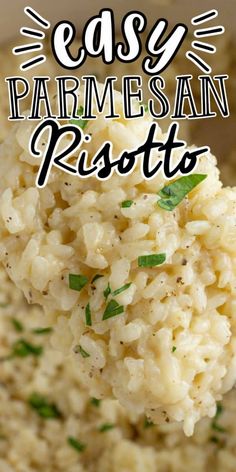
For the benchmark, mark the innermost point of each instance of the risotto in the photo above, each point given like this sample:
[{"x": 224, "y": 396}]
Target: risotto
[
  {"x": 48, "y": 423},
  {"x": 144, "y": 298}
]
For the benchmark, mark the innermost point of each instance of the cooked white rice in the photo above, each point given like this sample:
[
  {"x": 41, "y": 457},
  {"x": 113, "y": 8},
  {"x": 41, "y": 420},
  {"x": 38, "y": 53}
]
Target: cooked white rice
[
  {"x": 171, "y": 355},
  {"x": 29, "y": 443}
]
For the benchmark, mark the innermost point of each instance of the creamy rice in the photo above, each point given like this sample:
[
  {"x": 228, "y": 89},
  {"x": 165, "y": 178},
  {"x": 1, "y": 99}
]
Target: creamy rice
[
  {"x": 171, "y": 354},
  {"x": 29, "y": 443},
  {"x": 125, "y": 363}
]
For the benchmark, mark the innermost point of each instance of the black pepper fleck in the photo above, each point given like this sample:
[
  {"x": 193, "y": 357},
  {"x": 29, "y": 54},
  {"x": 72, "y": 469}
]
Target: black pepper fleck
[{"x": 179, "y": 280}]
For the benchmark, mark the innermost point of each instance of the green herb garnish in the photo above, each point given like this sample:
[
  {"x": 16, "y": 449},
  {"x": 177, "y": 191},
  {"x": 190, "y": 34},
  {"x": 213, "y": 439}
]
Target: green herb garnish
[
  {"x": 77, "y": 281},
  {"x": 106, "y": 427},
  {"x": 96, "y": 277},
  {"x": 23, "y": 348},
  {"x": 218, "y": 428},
  {"x": 42, "y": 331},
  {"x": 214, "y": 439},
  {"x": 174, "y": 193},
  {"x": 147, "y": 423},
  {"x": 78, "y": 121},
  {"x": 121, "y": 289},
  {"x": 152, "y": 260},
  {"x": 95, "y": 402},
  {"x": 174, "y": 348},
  {"x": 81, "y": 351},
  {"x": 214, "y": 423},
  {"x": 44, "y": 409},
  {"x": 112, "y": 309},
  {"x": 107, "y": 291},
  {"x": 4, "y": 305},
  {"x": 127, "y": 203},
  {"x": 78, "y": 446},
  {"x": 88, "y": 317},
  {"x": 219, "y": 411},
  {"x": 17, "y": 325}
]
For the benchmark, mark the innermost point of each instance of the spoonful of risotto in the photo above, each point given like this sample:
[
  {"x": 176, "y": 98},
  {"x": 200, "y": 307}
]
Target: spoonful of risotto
[{"x": 137, "y": 276}]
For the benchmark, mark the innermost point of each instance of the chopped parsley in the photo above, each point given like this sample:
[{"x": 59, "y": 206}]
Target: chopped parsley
[
  {"x": 77, "y": 445},
  {"x": 77, "y": 281},
  {"x": 147, "y": 423},
  {"x": 106, "y": 427},
  {"x": 44, "y": 409},
  {"x": 174, "y": 348},
  {"x": 112, "y": 309},
  {"x": 23, "y": 348},
  {"x": 121, "y": 289},
  {"x": 17, "y": 325},
  {"x": 214, "y": 423},
  {"x": 81, "y": 351},
  {"x": 4, "y": 305},
  {"x": 78, "y": 121},
  {"x": 217, "y": 427},
  {"x": 152, "y": 260},
  {"x": 127, "y": 203},
  {"x": 174, "y": 193},
  {"x": 96, "y": 277},
  {"x": 107, "y": 291},
  {"x": 95, "y": 402},
  {"x": 219, "y": 411},
  {"x": 42, "y": 331},
  {"x": 88, "y": 317}
]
